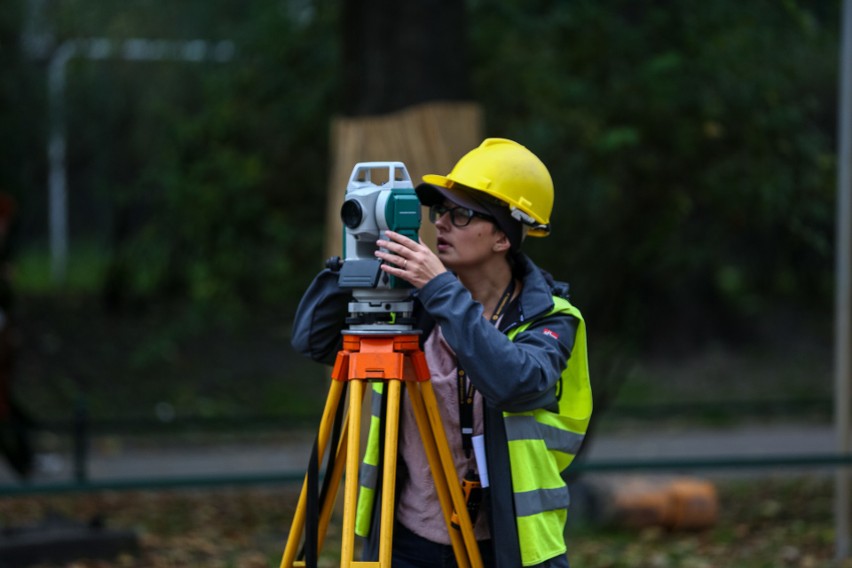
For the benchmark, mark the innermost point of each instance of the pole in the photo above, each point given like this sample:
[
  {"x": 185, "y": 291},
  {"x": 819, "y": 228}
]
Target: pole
[
  {"x": 57, "y": 186},
  {"x": 134, "y": 49},
  {"x": 843, "y": 291}
]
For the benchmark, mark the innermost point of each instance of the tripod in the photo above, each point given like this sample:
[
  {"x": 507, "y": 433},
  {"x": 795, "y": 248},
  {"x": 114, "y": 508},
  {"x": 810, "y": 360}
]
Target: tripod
[{"x": 391, "y": 357}]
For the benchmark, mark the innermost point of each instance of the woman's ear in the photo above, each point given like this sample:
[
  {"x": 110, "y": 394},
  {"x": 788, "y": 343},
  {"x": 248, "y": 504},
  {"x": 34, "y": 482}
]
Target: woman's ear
[{"x": 502, "y": 243}]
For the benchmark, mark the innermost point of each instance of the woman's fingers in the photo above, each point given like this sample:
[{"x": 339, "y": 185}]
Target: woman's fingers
[{"x": 408, "y": 259}]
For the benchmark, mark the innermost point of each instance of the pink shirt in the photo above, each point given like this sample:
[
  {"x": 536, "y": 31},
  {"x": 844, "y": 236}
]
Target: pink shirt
[{"x": 419, "y": 509}]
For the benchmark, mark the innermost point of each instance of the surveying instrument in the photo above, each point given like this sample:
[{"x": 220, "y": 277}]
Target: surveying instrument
[{"x": 380, "y": 343}]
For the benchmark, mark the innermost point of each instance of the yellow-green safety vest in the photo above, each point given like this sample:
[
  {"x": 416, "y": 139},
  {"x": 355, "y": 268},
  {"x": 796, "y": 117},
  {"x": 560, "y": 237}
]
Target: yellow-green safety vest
[{"x": 542, "y": 444}]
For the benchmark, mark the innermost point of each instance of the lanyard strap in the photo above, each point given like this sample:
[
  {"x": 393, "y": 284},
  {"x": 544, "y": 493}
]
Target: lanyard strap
[{"x": 465, "y": 387}]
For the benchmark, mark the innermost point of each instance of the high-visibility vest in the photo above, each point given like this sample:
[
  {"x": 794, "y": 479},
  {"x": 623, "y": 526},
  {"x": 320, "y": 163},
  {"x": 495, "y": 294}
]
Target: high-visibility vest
[{"x": 542, "y": 444}]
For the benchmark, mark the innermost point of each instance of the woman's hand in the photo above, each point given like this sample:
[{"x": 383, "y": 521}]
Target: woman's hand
[{"x": 410, "y": 260}]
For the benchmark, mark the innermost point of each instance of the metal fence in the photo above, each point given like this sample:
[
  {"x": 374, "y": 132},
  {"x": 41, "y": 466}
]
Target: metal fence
[{"x": 80, "y": 432}]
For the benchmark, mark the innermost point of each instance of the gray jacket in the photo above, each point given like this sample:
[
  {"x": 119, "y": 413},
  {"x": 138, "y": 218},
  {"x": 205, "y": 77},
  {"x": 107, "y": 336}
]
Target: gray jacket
[{"x": 513, "y": 376}]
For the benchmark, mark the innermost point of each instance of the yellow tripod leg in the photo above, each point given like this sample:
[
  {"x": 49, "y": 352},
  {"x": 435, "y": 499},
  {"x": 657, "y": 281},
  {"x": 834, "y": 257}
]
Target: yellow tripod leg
[
  {"x": 350, "y": 493},
  {"x": 389, "y": 472},
  {"x": 298, "y": 525},
  {"x": 388, "y": 482},
  {"x": 433, "y": 412},
  {"x": 334, "y": 484},
  {"x": 438, "y": 474},
  {"x": 381, "y": 360}
]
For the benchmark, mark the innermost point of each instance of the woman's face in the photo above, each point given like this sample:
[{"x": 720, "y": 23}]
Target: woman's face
[{"x": 468, "y": 246}]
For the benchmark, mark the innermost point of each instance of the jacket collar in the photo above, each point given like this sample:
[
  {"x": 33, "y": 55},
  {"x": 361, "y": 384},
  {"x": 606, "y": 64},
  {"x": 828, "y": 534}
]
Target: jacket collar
[{"x": 536, "y": 296}]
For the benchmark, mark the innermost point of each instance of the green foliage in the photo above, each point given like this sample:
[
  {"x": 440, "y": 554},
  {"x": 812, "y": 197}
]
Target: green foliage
[
  {"x": 22, "y": 104},
  {"x": 691, "y": 146},
  {"x": 85, "y": 273},
  {"x": 214, "y": 174}
]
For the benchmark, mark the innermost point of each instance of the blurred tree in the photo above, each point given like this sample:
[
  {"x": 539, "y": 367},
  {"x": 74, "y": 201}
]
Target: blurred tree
[
  {"x": 396, "y": 55},
  {"x": 691, "y": 145},
  {"x": 20, "y": 125},
  {"x": 22, "y": 104},
  {"x": 215, "y": 171},
  {"x": 405, "y": 94},
  {"x": 16, "y": 424}
]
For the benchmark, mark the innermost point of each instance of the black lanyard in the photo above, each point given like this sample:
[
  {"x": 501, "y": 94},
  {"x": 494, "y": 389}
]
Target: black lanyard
[{"x": 465, "y": 387}]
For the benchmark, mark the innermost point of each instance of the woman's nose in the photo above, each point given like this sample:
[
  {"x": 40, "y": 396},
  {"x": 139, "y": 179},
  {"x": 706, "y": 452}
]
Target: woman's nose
[{"x": 443, "y": 219}]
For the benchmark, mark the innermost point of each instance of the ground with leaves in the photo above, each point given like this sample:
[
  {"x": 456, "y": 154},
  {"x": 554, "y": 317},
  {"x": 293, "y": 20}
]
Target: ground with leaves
[{"x": 763, "y": 524}]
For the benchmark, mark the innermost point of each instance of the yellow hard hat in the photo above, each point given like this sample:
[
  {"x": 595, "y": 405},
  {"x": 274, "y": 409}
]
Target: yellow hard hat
[{"x": 510, "y": 173}]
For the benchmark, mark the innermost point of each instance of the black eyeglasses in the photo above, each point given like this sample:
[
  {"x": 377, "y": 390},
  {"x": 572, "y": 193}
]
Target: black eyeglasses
[{"x": 459, "y": 216}]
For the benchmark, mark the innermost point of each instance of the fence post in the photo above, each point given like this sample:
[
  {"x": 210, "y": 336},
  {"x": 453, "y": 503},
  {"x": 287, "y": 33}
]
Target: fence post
[
  {"x": 843, "y": 292},
  {"x": 81, "y": 441}
]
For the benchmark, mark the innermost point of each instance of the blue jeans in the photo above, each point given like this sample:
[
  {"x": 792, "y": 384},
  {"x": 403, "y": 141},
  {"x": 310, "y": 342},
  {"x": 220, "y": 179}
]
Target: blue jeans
[{"x": 414, "y": 551}]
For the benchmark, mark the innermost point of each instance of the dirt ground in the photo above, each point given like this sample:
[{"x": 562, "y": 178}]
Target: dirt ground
[{"x": 770, "y": 523}]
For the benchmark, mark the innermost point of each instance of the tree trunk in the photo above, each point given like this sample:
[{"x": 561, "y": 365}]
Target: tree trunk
[
  {"x": 398, "y": 54},
  {"x": 406, "y": 95}
]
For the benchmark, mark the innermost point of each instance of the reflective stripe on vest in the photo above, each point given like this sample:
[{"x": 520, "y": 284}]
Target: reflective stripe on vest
[
  {"x": 368, "y": 477},
  {"x": 542, "y": 444},
  {"x": 526, "y": 427},
  {"x": 531, "y": 502}
]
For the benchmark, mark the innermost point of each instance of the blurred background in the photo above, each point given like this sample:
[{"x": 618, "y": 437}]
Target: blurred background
[{"x": 171, "y": 175}]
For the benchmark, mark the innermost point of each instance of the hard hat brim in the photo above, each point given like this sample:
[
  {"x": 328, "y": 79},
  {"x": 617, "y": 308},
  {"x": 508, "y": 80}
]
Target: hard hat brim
[{"x": 430, "y": 194}]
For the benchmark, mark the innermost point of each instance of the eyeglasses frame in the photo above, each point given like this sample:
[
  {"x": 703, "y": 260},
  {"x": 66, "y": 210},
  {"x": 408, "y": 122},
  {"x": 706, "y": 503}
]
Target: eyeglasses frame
[{"x": 439, "y": 209}]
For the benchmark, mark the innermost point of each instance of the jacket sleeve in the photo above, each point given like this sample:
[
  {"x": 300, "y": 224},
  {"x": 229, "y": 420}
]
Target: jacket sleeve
[
  {"x": 320, "y": 318},
  {"x": 515, "y": 376}
]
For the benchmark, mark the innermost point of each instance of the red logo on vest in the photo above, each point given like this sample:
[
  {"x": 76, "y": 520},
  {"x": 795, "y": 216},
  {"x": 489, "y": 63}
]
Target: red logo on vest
[{"x": 551, "y": 333}]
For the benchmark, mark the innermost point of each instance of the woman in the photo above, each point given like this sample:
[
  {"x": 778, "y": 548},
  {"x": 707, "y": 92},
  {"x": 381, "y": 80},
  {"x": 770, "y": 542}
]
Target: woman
[{"x": 506, "y": 353}]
